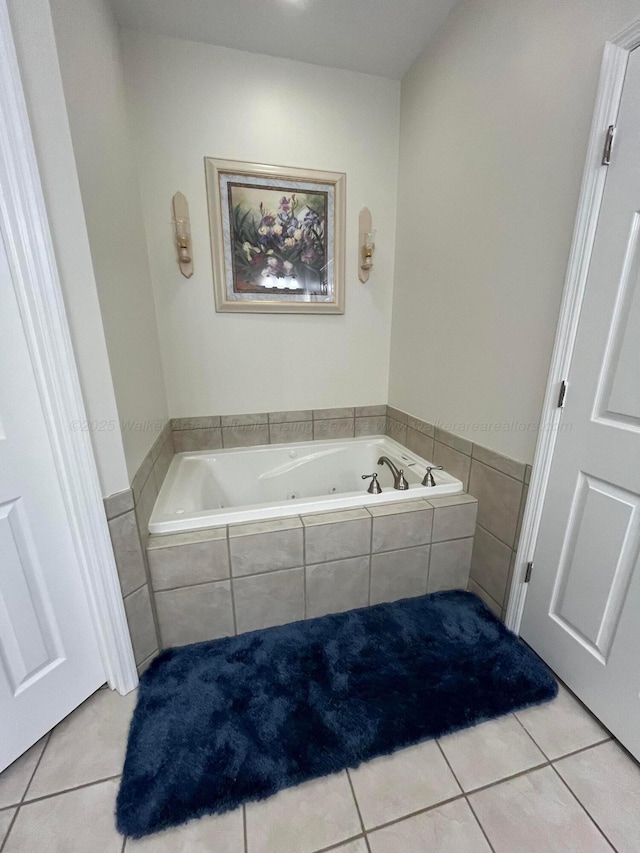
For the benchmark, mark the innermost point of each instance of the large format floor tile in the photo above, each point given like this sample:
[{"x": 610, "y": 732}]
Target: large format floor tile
[
  {"x": 14, "y": 780},
  {"x": 450, "y": 828},
  {"x": 86, "y": 746},
  {"x": 490, "y": 752},
  {"x": 219, "y": 833},
  {"x": 536, "y": 812},
  {"x": 6, "y": 817},
  {"x": 79, "y": 821},
  {"x": 607, "y": 783},
  {"x": 397, "y": 785},
  {"x": 561, "y": 726},
  {"x": 304, "y": 819}
]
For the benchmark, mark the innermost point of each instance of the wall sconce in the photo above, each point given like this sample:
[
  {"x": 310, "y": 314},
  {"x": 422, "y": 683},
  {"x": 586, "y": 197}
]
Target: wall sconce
[
  {"x": 366, "y": 244},
  {"x": 182, "y": 229}
]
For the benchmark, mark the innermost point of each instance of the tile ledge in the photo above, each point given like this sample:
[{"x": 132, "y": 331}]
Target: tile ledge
[
  {"x": 348, "y": 514},
  {"x": 451, "y": 500},
  {"x": 398, "y": 507},
  {"x": 271, "y": 525},
  {"x": 187, "y": 537}
]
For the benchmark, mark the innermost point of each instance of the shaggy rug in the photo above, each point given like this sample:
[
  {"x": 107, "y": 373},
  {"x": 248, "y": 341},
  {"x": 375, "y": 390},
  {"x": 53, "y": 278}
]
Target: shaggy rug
[{"x": 228, "y": 721}]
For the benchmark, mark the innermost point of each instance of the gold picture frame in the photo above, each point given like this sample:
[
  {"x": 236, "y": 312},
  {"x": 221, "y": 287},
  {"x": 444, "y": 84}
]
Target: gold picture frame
[{"x": 277, "y": 238}]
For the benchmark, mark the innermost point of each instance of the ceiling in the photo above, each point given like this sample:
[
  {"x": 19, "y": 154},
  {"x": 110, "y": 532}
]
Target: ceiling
[{"x": 373, "y": 36}]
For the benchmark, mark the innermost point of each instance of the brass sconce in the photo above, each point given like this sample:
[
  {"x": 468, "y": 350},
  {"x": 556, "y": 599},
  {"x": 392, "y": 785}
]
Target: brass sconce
[
  {"x": 366, "y": 244},
  {"x": 182, "y": 229}
]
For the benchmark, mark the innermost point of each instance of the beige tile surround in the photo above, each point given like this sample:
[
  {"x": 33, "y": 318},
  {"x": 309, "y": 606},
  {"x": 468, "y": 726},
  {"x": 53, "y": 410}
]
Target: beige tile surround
[
  {"x": 498, "y": 483},
  {"x": 213, "y": 432},
  {"x": 217, "y": 582},
  {"x": 128, "y": 514}
]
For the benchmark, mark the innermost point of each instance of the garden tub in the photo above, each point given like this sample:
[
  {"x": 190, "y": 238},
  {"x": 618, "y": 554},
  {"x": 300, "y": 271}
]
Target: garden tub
[{"x": 217, "y": 487}]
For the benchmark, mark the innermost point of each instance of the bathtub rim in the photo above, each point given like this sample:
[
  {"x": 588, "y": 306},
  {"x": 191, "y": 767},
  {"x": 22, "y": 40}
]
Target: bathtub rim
[{"x": 211, "y": 519}]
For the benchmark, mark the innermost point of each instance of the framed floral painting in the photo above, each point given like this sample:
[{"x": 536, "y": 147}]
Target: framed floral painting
[{"x": 277, "y": 238}]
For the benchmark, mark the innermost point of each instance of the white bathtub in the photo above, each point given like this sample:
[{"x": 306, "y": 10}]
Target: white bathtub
[{"x": 214, "y": 487}]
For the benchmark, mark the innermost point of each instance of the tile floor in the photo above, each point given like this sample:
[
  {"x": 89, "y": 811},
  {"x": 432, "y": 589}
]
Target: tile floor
[{"x": 547, "y": 779}]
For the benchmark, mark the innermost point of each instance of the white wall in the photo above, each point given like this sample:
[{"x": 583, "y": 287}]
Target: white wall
[
  {"x": 495, "y": 120},
  {"x": 192, "y": 100},
  {"x": 36, "y": 48},
  {"x": 88, "y": 49}
]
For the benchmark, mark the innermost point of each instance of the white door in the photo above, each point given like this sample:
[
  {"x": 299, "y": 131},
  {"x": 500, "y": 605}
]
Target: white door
[
  {"x": 582, "y": 612},
  {"x": 49, "y": 655}
]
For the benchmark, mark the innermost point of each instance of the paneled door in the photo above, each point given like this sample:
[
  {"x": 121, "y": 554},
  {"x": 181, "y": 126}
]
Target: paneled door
[
  {"x": 49, "y": 655},
  {"x": 582, "y": 611}
]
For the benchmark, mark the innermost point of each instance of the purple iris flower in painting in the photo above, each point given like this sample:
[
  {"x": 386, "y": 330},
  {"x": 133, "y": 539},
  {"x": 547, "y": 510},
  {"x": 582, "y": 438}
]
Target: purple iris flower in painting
[
  {"x": 308, "y": 255},
  {"x": 284, "y": 240}
]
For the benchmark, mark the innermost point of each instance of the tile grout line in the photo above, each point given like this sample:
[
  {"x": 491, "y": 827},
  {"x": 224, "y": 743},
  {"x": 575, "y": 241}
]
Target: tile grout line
[
  {"x": 340, "y": 844},
  {"x": 357, "y": 805},
  {"x": 133, "y": 591},
  {"x": 35, "y": 769},
  {"x": 70, "y": 790},
  {"x": 581, "y": 703},
  {"x": 416, "y": 813},
  {"x": 566, "y": 754},
  {"x": 304, "y": 568},
  {"x": 478, "y": 821},
  {"x": 120, "y": 514},
  {"x": 24, "y": 794},
  {"x": 531, "y": 737},
  {"x": 431, "y": 543},
  {"x": 244, "y": 828},
  {"x": 231, "y": 587},
  {"x": 145, "y": 661},
  {"x": 585, "y": 810},
  {"x": 370, "y": 559},
  {"x": 486, "y": 530},
  {"x": 493, "y": 467},
  {"x": 466, "y": 798},
  {"x": 499, "y": 606}
]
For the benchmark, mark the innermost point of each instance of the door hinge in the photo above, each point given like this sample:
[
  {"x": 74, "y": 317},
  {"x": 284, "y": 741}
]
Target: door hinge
[
  {"x": 608, "y": 145},
  {"x": 562, "y": 394},
  {"x": 527, "y": 574}
]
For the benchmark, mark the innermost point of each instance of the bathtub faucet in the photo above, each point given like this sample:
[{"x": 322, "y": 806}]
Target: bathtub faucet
[{"x": 399, "y": 480}]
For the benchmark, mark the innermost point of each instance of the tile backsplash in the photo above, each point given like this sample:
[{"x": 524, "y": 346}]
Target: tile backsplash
[
  {"x": 500, "y": 484},
  {"x": 213, "y": 432}
]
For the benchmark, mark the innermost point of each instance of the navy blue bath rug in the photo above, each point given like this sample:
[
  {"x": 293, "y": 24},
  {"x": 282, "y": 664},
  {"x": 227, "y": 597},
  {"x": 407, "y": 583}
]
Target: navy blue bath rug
[{"x": 227, "y": 721}]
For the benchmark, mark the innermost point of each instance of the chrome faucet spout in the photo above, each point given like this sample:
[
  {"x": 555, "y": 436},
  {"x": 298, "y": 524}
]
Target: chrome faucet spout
[{"x": 399, "y": 480}]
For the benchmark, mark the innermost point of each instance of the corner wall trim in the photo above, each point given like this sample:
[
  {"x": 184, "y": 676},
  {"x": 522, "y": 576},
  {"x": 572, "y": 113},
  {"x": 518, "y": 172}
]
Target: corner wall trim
[
  {"x": 25, "y": 230},
  {"x": 612, "y": 74}
]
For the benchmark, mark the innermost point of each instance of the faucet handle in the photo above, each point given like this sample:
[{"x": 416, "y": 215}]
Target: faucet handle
[
  {"x": 374, "y": 486},
  {"x": 428, "y": 477},
  {"x": 401, "y": 481}
]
